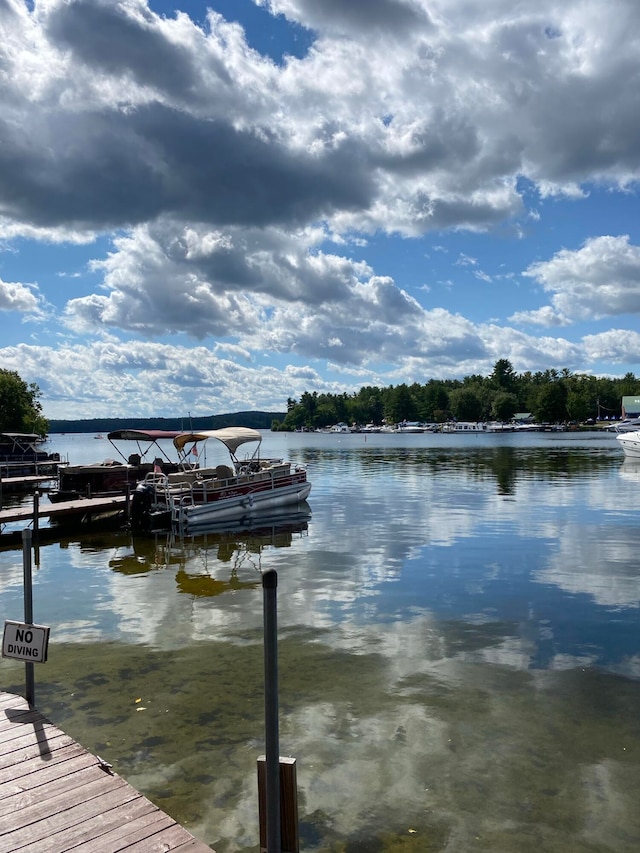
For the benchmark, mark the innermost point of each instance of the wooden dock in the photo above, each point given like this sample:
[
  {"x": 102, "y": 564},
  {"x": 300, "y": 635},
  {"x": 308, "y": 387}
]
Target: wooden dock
[
  {"x": 55, "y": 796},
  {"x": 24, "y": 483},
  {"x": 80, "y": 507}
]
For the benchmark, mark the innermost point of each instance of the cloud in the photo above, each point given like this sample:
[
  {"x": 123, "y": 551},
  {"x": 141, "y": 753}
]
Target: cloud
[
  {"x": 398, "y": 17},
  {"x": 24, "y": 298},
  {"x": 113, "y": 115},
  {"x": 245, "y": 202},
  {"x": 545, "y": 316},
  {"x": 601, "y": 279}
]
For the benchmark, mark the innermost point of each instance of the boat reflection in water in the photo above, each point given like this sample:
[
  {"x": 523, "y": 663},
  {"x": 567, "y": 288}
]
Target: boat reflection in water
[{"x": 197, "y": 558}]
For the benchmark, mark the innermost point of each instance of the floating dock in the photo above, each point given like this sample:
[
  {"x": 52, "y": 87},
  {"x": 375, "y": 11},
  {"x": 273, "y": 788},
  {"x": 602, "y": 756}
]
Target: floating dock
[
  {"x": 23, "y": 483},
  {"x": 55, "y": 796},
  {"x": 81, "y": 511},
  {"x": 82, "y": 506}
]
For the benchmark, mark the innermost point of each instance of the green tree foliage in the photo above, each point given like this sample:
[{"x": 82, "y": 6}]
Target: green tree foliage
[
  {"x": 551, "y": 403},
  {"x": 504, "y": 376},
  {"x": 401, "y": 405},
  {"x": 20, "y": 409},
  {"x": 504, "y": 406},
  {"x": 465, "y": 404}
]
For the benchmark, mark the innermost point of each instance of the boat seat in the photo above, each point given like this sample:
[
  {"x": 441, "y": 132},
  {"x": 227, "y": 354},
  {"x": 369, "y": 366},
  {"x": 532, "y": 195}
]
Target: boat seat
[{"x": 223, "y": 472}]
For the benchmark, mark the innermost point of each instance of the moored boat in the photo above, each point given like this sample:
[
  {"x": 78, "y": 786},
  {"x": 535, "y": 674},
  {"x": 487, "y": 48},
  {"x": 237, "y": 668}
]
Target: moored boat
[
  {"x": 21, "y": 456},
  {"x": 229, "y": 491},
  {"x": 410, "y": 427},
  {"x": 630, "y": 443},
  {"x": 464, "y": 426},
  {"x": 114, "y": 476},
  {"x": 625, "y": 425}
]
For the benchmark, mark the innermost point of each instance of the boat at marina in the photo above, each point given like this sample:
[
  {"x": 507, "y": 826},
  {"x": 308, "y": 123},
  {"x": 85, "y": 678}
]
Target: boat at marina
[
  {"x": 21, "y": 456},
  {"x": 410, "y": 427},
  {"x": 113, "y": 476},
  {"x": 196, "y": 497},
  {"x": 625, "y": 425},
  {"x": 464, "y": 426},
  {"x": 630, "y": 443}
]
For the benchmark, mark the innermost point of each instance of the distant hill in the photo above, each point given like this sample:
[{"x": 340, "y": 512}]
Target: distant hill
[{"x": 257, "y": 420}]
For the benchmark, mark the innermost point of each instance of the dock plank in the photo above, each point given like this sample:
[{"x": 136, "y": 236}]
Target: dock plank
[
  {"x": 82, "y": 506},
  {"x": 55, "y": 795},
  {"x": 108, "y": 833}
]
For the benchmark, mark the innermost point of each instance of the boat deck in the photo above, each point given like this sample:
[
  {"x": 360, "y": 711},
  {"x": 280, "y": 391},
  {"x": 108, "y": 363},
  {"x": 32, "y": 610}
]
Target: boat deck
[{"x": 57, "y": 796}]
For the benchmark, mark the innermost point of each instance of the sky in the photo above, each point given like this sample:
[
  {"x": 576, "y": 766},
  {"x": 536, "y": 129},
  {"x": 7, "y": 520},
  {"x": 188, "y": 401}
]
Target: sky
[{"x": 211, "y": 208}]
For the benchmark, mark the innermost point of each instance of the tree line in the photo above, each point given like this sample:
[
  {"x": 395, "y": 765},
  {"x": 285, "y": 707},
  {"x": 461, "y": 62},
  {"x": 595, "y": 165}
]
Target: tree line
[{"x": 550, "y": 396}]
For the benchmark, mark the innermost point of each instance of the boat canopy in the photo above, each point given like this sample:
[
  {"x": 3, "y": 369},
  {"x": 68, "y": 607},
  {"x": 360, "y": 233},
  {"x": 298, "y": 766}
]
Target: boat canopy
[
  {"x": 142, "y": 434},
  {"x": 231, "y": 437},
  {"x": 18, "y": 437}
]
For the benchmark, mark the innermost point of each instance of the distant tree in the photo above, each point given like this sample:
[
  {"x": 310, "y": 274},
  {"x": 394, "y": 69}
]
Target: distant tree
[
  {"x": 465, "y": 404},
  {"x": 503, "y": 376},
  {"x": 578, "y": 406},
  {"x": 20, "y": 409},
  {"x": 400, "y": 405},
  {"x": 435, "y": 402},
  {"x": 551, "y": 403},
  {"x": 504, "y": 406}
]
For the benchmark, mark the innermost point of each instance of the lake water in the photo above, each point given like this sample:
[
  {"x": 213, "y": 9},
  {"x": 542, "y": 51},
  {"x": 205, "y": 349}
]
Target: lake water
[{"x": 459, "y": 649}]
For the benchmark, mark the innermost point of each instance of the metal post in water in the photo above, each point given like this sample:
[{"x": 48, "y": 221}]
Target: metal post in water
[
  {"x": 272, "y": 736},
  {"x": 36, "y": 515},
  {"x": 30, "y": 689}
]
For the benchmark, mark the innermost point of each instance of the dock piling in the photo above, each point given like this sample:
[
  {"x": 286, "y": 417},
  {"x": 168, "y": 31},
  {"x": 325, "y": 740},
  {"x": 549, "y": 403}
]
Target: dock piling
[{"x": 30, "y": 689}]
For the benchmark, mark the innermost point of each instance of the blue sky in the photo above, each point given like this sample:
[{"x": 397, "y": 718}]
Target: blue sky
[{"x": 214, "y": 208}]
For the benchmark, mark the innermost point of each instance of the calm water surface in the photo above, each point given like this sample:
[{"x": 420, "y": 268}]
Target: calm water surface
[{"x": 459, "y": 650}]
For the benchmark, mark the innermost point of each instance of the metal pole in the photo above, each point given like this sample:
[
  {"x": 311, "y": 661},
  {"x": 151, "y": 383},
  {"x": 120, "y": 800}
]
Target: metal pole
[
  {"x": 30, "y": 689},
  {"x": 272, "y": 742},
  {"x": 36, "y": 516}
]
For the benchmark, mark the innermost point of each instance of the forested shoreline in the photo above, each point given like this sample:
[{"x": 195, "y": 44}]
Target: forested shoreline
[
  {"x": 256, "y": 420},
  {"x": 550, "y": 396}
]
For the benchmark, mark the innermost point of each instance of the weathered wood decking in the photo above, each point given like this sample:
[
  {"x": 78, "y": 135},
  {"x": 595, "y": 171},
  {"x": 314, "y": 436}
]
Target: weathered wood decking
[
  {"x": 24, "y": 483},
  {"x": 82, "y": 506},
  {"x": 55, "y": 796}
]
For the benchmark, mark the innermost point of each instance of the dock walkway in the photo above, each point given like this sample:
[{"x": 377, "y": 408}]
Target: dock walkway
[
  {"x": 82, "y": 506},
  {"x": 24, "y": 483},
  {"x": 55, "y": 796}
]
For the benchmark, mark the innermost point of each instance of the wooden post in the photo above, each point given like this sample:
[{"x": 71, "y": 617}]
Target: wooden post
[
  {"x": 271, "y": 726},
  {"x": 289, "y": 836}
]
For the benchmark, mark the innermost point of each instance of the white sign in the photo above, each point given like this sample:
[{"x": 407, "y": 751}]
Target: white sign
[{"x": 25, "y": 642}]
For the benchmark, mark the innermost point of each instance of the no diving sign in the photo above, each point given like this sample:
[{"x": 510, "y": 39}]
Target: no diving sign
[{"x": 25, "y": 642}]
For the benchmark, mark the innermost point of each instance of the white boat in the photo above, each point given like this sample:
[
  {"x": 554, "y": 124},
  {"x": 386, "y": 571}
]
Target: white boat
[
  {"x": 630, "y": 443},
  {"x": 226, "y": 492},
  {"x": 626, "y": 425},
  {"x": 464, "y": 426},
  {"x": 500, "y": 426},
  {"x": 410, "y": 427}
]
